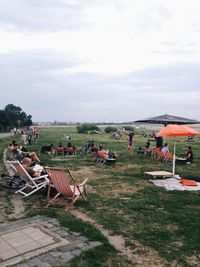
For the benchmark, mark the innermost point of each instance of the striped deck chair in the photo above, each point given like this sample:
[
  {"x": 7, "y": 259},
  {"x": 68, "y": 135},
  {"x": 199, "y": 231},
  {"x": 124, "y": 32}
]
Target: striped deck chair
[
  {"x": 105, "y": 158},
  {"x": 168, "y": 156},
  {"x": 155, "y": 151},
  {"x": 33, "y": 184},
  {"x": 160, "y": 155},
  {"x": 59, "y": 179},
  {"x": 98, "y": 158}
]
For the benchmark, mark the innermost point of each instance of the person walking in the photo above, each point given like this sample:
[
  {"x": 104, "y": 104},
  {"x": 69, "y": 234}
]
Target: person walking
[{"x": 130, "y": 141}]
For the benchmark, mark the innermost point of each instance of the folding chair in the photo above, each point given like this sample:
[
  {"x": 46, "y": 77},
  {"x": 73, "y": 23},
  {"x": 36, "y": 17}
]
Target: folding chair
[
  {"x": 98, "y": 158},
  {"x": 32, "y": 183},
  {"x": 59, "y": 179}
]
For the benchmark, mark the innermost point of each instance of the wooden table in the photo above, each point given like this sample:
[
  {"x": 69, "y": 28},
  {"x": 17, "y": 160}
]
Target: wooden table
[{"x": 162, "y": 174}]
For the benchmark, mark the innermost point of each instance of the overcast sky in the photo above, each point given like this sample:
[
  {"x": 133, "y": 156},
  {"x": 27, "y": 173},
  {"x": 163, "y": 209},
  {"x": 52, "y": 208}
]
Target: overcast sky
[{"x": 100, "y": 60}]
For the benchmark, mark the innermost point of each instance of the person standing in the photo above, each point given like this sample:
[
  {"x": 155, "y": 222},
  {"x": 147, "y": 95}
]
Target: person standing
[
  {"x": 159, "y": 141},
  {"x": 130, "y": 141}
]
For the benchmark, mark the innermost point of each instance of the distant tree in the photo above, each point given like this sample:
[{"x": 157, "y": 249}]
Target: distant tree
[
  {"x": 13, "y": 116},
  {"x": 110, "y": 129},
  {"x": 3, "y": 120},
  {"x": 128, "y": 128},
  {"x": 85, "y": 127}
]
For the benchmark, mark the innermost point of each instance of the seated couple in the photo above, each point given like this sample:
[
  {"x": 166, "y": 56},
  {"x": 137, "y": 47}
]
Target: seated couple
[
  {"x": 69, "y": 150},
  {"x": 16, "y": 152}
]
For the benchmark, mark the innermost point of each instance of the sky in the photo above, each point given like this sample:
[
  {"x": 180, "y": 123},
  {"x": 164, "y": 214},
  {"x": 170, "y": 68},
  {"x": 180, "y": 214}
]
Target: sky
[{"x": 100, "y": 60}]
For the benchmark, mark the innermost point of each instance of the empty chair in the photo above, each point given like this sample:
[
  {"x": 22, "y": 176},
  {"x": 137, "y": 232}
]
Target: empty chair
[{"x": 60, "y": 180}]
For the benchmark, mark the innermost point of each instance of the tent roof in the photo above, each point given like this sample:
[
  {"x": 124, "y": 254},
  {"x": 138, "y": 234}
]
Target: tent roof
[{"x": 168, "y": 119}]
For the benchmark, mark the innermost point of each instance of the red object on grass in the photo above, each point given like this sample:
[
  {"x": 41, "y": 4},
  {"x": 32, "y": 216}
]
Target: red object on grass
[{"x": 188, "y": 182}]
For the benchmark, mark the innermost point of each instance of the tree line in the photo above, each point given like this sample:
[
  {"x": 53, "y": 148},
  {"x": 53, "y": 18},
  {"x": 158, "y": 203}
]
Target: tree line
[{"x": 13, "y": 116}]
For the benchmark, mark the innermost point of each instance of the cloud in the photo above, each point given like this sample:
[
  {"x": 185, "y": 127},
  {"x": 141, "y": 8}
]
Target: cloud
[
  {"x": 88, "y": 60},
  {"x": 42, "y": 16},
  {"x": 42, "y": 84}
]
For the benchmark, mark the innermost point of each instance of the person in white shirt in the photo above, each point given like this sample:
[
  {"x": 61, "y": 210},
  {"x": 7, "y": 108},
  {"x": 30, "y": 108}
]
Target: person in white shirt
[{"x": 165, "y": 149}]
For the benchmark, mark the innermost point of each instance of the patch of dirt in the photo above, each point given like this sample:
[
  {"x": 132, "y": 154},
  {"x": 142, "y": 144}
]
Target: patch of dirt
[
  {"x": 139, "y": 255},
  {"x": 59, "y": 159},
  {"x": 120, "y": 191},
  {"x": 11, "y": 207},
  {"x": 19, "y": 207},
  {"x": 5, "y": 207},
  {"x": 124, "y": 167},
  {"x": 193, "y": 260},
  {"x": 84, "y": 172}
]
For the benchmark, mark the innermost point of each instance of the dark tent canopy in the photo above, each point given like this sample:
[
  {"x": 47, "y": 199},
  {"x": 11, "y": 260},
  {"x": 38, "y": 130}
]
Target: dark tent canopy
[{"x": 168, "y": 119}]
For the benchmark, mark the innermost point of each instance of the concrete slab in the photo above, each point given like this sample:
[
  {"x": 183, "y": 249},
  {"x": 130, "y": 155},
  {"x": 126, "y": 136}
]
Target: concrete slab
[
  {"x": 37, "y": 242},
  {"x": 21, "y": 244}
]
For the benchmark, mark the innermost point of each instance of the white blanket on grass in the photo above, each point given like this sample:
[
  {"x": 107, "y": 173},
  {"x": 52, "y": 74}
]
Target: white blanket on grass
[{"x": 171, "y": 184}]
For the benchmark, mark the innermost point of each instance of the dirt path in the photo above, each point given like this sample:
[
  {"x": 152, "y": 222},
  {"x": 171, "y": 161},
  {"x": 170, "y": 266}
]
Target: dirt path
[
  {"x": 140, "y": 255},
  {"x": 18, "y": 207}
]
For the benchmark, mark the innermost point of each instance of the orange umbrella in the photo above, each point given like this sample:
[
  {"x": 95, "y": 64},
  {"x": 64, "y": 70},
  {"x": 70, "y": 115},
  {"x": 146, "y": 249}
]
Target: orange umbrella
[{"x": 173, "y": 130}]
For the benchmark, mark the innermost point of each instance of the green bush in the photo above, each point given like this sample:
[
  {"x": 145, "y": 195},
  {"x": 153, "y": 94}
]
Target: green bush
[
  {"x": 128, "y": 128},
  {"x": 85, "y": 127},
  {"x": 110, "y": 129}
]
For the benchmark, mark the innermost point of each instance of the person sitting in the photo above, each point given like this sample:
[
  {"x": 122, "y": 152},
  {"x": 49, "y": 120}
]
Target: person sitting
[
  {"x": 10, "y": 155},
  {"x": 70, "y": 150},
  {"x": 59, "y": 149},
  {"x": 102, "y": 152},
  {"x": 107, "y": 154},
  {"x": 19, "y": 152},
  {"x": 140, "y": 151},
  {"x": 189, "y": 155},
  {"x": 60, "y": 145},
  {"x": 165, "y": 149},
  {"x": 148, "y": 149},
  {"x": 26, "y": 163}
]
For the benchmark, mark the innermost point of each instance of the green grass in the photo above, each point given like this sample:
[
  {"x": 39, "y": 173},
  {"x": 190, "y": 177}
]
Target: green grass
[{"x": 124, "y": 201}]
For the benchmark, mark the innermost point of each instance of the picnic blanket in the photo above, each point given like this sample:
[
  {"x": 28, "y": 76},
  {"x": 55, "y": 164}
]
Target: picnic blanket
[{"x": 171, "y": 184}]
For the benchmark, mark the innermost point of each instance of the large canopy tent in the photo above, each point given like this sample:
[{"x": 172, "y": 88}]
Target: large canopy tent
[{"x": 168, "y": 119}]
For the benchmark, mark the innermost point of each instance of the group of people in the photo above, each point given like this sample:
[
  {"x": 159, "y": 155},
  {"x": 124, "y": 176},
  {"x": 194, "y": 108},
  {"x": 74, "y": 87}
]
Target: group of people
[
  {"x": 29, "y": 136},
  {"x": 68, "y": 150},
  {"x": 148, "y": 151},
  {"x": 16, "y": 152},
  {"x": 29, "y": 160},
  {"x": 188, "y": 153}
]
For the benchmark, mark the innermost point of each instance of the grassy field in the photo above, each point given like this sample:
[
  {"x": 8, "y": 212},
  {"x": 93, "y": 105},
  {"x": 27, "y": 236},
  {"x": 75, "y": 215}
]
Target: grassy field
[{"x": 152, "y": 221}]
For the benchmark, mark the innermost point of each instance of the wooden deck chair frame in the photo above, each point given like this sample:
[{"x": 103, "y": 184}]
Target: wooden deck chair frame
[
  {"x": 32, "y": 183},
  {"x": 98, "y": 158},
  {"x": 105, "y": 160},
  {"x": 59, "y": 179}
]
